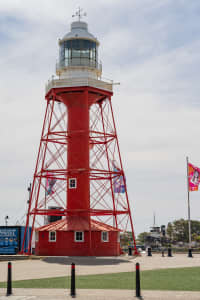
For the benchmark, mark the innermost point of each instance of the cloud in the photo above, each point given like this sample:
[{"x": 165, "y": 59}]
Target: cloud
[{"x": 152, "y": 48}]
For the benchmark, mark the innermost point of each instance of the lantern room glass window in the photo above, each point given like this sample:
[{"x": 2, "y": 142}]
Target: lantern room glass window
[
  {"x": 79, "y": 236},
  {"x": 78, "y": 52},
  {"x": 104, "y": 236},
  {"x": 52, "y": 236}
]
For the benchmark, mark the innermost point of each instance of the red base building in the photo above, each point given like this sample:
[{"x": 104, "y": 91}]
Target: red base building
[
  {"x": 71, "y": 237},
  {"x": 79, "y": 201}
]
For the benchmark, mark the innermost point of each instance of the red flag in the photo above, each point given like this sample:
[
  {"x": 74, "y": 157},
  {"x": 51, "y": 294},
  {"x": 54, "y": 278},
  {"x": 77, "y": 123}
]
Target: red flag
[{"x": 193, "y": 177}]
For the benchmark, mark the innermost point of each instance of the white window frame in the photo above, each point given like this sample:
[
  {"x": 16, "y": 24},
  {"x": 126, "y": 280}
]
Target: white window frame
[
  {"x": 50, "y": 240},
  {"x": 77, "y": 241},
  {"x": 118, "y": 237},
  {"x": 72, "y": 187},
  {"x": 102, "y": 239},
  {"x": 37, "y": 236}
]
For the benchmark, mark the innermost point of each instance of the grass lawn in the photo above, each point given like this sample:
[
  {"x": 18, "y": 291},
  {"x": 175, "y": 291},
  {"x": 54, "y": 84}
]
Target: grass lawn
[{"x": 183, "y": 279}]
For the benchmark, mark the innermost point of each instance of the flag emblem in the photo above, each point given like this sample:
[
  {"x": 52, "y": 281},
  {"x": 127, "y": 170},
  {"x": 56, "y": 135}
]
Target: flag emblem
[
  {"x": 193, "y": 177},
  {"x": 50, "y": 182},
  {"x": 118, "y": 181}
]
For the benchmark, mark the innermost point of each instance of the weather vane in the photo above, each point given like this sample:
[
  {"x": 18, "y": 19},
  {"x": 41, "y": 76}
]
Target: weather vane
[{"x": 79, "y": 14}]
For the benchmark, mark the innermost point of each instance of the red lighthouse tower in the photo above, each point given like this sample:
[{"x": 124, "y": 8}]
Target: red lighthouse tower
[{"x": 79, "y": 201}]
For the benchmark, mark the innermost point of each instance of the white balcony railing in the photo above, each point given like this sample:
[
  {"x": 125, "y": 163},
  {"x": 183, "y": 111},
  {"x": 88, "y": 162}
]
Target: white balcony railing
[{"x": 78, "y": 81}]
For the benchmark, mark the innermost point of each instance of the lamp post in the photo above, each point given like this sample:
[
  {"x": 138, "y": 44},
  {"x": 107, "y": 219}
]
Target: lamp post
[
  {"x": 6, "y": 220},
  {"x": 29, "y": 198}
]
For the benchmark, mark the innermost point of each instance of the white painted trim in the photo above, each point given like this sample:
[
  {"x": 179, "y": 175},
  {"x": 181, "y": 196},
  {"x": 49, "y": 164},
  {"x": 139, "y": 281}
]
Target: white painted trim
[
  {"x": 50, "y": 236},
  {"x": 78, "y": 241},
  {"x": 79, "y": 81}
]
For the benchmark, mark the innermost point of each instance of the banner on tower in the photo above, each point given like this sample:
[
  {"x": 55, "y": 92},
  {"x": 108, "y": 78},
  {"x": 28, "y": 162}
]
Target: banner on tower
[
  {"x": 50, "y": 182},
  {"x": 193, "y": 177},
  {"x": 118, "y": 181}
]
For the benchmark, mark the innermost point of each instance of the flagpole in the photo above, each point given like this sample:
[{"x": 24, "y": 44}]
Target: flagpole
[{"x": 189, "y": 221}]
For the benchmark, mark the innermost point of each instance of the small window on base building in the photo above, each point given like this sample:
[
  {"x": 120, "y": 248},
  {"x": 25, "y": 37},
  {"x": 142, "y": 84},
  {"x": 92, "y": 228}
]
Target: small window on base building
[
  {"x": 36, "y": 236},
  {"x": 79, "y": 236},
  {"x": 104, "y": 236},
  {"x": 52, "y": 236},
  {"x": 118, "y": 237}
]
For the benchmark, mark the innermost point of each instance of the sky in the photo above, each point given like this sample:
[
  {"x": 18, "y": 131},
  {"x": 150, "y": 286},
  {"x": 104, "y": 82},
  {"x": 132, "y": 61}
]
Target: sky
[{"x": 153, "y": 49}]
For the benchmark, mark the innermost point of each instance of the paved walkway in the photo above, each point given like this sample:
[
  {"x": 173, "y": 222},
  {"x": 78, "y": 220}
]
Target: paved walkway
[
  {"x": 60, "y": 266},
  {"x": 61, "y": 294}
]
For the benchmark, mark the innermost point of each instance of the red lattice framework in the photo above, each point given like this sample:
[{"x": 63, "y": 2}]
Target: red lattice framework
[{"x": 105, "y": 205}]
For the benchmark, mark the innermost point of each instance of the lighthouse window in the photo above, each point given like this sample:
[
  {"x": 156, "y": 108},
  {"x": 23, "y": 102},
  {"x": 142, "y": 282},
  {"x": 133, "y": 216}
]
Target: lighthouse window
[
  {"x": 79, "y": 236},
  {"x": 104, "y": 236},
  {"x": 85, "y": 53},
  {"x": 75, "y": 53},
  {"x": 52, "y": 236},
  {"x": 78, "y": 52},
  {"x": 72, "y": 183},
  {"x": 62, "y": 55},
  {"x": 66, "y": 53}
]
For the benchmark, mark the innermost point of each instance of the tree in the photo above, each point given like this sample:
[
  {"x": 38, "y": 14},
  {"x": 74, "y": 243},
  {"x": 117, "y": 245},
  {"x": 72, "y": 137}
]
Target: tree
[
  {"x": 126, "y": 238},
  {"x": 170, "y": 230},
  {"x": 178, "y": 230},
  {"x": 142, "y": 237}
]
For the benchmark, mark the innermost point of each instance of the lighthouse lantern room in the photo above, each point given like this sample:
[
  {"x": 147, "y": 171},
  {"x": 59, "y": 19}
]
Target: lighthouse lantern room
[{"x": 79, "y": 202}]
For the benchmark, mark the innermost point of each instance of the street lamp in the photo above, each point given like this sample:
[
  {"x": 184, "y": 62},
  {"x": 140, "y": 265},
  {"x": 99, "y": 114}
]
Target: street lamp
[
  {"x": 6, "y": 220},
  {"x": 28, "y": 202},
  {"x": 29, "y": 190}
]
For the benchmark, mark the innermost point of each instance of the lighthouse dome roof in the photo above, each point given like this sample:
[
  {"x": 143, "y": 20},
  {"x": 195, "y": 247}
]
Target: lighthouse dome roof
[{"x": 79, "y": 29}]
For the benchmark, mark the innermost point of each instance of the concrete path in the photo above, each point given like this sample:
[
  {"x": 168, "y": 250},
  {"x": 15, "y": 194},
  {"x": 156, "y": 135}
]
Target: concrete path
[
  {"x": 60, "y": 266},
  {"x": 61, "y": 294}
]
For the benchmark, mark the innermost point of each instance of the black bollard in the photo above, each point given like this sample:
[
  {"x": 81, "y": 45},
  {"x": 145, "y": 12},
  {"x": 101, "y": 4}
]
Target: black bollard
[
  {"x": 138, "y": 295},
  {"x": 9, "y": 281},
  {"x": 149, "y": 252},
  {"x": 73, "y": 288},
  {"x": 169, "y": 252},
  {"x": 129, "y": 251},
  {"x": 163, "y": 253},
  {"x": 189, "y": 252}
]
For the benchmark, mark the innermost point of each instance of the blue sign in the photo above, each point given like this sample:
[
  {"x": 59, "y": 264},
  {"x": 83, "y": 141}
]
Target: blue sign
[{"x": 9, "y": 240}]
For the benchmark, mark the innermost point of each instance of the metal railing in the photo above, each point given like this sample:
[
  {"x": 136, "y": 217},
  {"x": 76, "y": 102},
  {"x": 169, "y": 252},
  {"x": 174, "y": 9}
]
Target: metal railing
[
  {"x": 79, "y": 62},
  {"x": 82, "y": 81}
]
